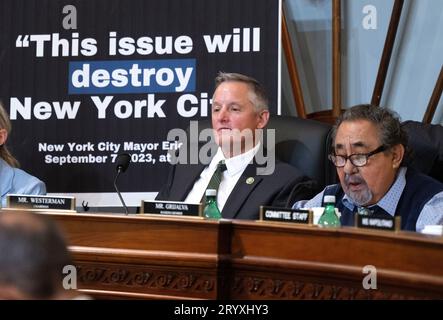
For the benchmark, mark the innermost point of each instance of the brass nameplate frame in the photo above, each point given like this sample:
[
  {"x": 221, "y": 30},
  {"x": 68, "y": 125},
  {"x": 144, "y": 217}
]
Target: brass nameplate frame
[
  {"x": 40, "y": 203},
  {"x": 378, "y": 222},
  {"x": 276, "y": 214},
  {"x": 171, "y": 208}
]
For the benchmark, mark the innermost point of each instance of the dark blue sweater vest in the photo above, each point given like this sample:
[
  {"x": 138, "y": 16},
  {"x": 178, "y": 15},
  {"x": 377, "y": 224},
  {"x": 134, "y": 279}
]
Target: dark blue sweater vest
[{"x": 418, "y": 191}]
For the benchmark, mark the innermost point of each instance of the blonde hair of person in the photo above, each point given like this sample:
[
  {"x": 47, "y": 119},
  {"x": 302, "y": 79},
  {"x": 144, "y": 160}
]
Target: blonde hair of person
[{"x": 5, "y": 124}]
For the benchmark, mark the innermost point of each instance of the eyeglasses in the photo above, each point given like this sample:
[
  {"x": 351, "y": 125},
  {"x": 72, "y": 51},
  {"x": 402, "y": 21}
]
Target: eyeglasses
[{"x": 357, "y": 159}]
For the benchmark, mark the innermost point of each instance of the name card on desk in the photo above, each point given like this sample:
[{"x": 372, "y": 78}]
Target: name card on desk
[
  {"x": 171, "y": 208},
  {"x": 301, "y": 216},
  {"x": 34, "y": 202},
  {"x": 377, "y": 221}
]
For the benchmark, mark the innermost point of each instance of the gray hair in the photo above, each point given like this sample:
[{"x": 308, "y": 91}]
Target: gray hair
[
  {"x": 387, "y": 121},
  {"x": 258, "y": 98}
]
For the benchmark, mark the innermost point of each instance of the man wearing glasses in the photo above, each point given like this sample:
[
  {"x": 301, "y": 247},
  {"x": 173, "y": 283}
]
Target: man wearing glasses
[{"x": 369, "y": 146}]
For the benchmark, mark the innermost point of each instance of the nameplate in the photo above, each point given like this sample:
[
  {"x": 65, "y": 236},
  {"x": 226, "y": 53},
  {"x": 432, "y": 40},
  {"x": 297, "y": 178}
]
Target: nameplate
[
  {"x": 40, "y": 203},
  {"x": 171, "y": 208},
  {"x": 299, "y": 216},
  {"x": 378, "y": 221}
]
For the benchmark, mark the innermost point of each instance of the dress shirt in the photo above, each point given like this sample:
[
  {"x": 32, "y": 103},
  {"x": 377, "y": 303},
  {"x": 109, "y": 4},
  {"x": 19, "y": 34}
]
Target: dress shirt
[{"x": 234, "y": 169}]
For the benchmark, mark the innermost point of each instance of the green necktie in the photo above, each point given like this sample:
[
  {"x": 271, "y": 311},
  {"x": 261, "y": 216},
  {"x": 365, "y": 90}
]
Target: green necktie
[{"x": 214, "y": 183}]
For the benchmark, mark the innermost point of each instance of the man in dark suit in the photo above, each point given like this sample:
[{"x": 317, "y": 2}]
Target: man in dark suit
[{"x": 239, "y": 112}]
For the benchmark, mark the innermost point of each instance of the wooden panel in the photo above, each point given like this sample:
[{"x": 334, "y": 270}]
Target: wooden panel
[
  {"x": 121, "y": 256},
  {"x": 172, "y": 258},
  {"x": 142, "y": 232},
  {"x": 297, "y": 92},
  {"x": 336, "y": 58},
  {"x": 435, "y": 98},
  {"x": 387, "y": 52},
  {"x": 295, "y": 262}
]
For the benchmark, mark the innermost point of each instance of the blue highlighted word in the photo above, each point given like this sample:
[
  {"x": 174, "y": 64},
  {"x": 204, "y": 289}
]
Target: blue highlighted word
[{"x": 132, "y": 76}]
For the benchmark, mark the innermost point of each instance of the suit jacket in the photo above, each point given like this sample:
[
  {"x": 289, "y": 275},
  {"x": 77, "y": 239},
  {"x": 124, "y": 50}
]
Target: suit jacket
[
  {"x": 281, "y": 188},
  {"x": 14, "y": 180}
]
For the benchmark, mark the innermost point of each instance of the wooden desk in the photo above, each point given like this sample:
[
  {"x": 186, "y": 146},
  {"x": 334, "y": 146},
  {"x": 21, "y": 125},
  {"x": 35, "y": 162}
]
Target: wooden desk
[{"x": 174, "y": 258}]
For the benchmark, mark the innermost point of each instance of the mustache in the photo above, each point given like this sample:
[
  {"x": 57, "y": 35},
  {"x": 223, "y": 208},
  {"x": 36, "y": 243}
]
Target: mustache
[{"x": 353, "y": 179}]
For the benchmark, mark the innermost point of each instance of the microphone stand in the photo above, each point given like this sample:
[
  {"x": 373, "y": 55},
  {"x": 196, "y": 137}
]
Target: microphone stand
[{"x": 118, "y": 192}]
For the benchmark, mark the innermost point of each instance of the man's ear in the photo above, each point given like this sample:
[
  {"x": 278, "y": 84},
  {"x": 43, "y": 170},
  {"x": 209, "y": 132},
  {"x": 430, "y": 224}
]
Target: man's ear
[
  {"x": 3, "y": 136},
  {"x": 398, "y": 152},
  {"x": 263, "y": 119}
]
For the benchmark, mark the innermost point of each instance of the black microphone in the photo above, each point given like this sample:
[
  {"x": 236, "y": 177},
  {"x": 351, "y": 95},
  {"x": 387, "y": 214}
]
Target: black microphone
[{"x": 122, "y": 164}]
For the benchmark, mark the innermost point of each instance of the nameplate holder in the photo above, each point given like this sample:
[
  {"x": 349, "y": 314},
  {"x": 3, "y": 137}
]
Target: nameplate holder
[
  {"x": 40, "y": 203},
  {"x": 276, "y": 214},
  {"x": 378, "y": 222},
  {"x": 171, "y": 208}
]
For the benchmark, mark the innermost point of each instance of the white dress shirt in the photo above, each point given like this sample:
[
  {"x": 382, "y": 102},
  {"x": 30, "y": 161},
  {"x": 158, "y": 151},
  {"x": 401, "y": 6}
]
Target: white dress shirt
[{"x": 234, "y": 169}]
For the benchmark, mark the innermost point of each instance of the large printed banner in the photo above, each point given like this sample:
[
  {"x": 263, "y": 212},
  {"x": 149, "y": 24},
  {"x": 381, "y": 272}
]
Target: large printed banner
[{"x": 85, "y": 80}]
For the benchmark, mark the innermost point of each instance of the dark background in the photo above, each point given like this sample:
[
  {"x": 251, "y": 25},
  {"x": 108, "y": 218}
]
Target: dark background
[{"x": 46, "y": 78}]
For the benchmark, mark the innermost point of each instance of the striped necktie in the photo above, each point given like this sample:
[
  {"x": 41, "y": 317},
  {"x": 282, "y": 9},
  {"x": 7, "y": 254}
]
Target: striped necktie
[{"x": 214, "y": 183}]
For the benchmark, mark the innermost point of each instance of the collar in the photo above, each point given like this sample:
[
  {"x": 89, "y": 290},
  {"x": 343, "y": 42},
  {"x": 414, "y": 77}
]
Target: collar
[
  {"x": 390, "y": 200},
  {"x": 237, "y": 164}
]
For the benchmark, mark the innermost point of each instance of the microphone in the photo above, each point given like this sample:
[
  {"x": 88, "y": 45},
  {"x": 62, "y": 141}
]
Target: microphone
[{"x": 122, "y": 164}]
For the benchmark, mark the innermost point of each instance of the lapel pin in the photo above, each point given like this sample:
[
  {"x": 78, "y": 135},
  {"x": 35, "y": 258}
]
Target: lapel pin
[{"x": 250, "y": 180}]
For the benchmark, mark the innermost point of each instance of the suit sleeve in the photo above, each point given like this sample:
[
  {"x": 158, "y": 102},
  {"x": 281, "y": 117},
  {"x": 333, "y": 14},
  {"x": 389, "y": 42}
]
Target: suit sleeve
[{"x": 166, "y": 189}]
